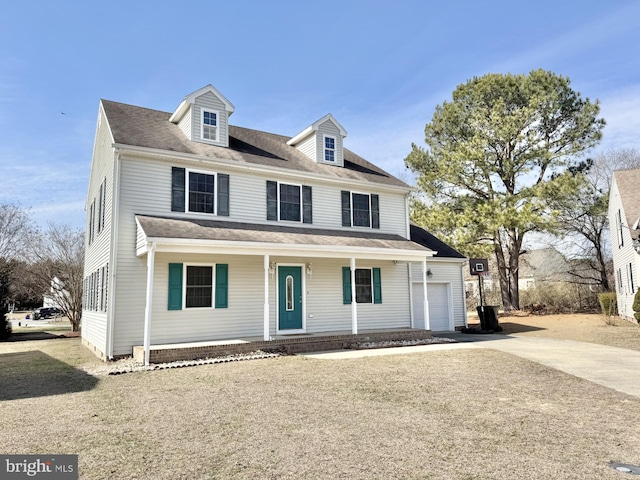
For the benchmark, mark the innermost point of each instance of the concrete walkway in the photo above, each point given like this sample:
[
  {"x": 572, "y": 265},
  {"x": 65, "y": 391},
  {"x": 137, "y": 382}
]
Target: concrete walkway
[{"x": 612, "y": 367}]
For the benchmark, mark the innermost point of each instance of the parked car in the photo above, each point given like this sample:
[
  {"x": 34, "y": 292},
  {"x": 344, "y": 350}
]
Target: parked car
[{"x": 46, "y": 312}]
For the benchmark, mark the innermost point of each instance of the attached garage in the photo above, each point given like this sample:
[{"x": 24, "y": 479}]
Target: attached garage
[
  {"x": 445, "y": 285},
  {"x": 440, "y": 306}
]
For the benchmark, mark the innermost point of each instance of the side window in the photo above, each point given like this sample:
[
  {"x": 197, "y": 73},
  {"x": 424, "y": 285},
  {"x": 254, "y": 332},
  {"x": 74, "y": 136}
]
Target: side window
[
  {"x": 289, "y": 202},
  {"x": 360, "y": 209},
  {"x": 198, "y": 286},
  {"x": 209, "y": 125},
  {"x": 329, "y": 149},
  {"x": 368, "y": 285},
  {"x": 199, "y": 192}
]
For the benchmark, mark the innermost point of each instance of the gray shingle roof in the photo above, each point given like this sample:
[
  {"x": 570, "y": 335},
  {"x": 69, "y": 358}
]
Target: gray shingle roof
[
  {"x": 220, "y": 230},
  {"x": 628, "y": 182},
  {"x": 142, "y": 127},
  {"x": 423, "y": 237}
]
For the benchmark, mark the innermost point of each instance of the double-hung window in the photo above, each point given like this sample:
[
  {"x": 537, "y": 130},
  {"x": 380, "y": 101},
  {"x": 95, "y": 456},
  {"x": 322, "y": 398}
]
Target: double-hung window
[
  {"x": 289, "y": 202},
  {"x": 198, "y": 286},
  {"x": 360, "y": 210},
  {"x": 199, "y": 192},
  {"x": 329, "y": 149},
  {"x": 202, "y": 188},
  {"x": 209, "y": 124},
  {"x": 368, "y": 285}
]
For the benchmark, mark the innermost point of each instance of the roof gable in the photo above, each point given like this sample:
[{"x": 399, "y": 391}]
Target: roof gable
[
  {"x": 314, "y": 127},
  {"x": 627, "y": 182},
  {"x": 191, "y": 99}
]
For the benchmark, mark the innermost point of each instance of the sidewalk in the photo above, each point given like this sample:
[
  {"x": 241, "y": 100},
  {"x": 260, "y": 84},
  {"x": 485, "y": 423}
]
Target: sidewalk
[{"x": 612, "y": 367}]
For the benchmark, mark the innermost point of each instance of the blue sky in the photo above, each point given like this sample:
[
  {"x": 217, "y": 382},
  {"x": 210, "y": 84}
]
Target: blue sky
[{"x": 379, "y": 67}]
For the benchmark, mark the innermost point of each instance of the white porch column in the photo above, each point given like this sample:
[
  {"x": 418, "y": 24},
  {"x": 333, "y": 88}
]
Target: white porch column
[
  {"x": 151, "y": 254},
  {"x": 266, "y": 298},
  {"x": 427, "y": 323},
  {"x": 354, "y": 304}
]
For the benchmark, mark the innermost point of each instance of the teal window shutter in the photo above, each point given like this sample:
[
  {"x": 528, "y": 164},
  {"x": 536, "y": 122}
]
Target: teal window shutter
[
  {"x": 375, "y": 211},
  {"x": 307, "y": 205},
  {"x": 377, "y": 286},
  {"x": 272, "y": 200},
  {"x": 222, "y": 285},
  {"x": 177, "y": 189},
  {"x": 346, "y": 208},
  {"x": 346, "y": 285},
  {"x": 175, "y": 286}
]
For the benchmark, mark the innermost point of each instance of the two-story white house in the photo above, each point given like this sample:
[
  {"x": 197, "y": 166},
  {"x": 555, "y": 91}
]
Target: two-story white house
[
  {"x": 198, "y": 230},
  {"x": 624, "y": 224}
]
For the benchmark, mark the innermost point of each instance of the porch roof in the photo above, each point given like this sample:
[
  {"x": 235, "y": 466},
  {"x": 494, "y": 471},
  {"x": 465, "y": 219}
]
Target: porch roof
[{"x": 187, "y": 235}]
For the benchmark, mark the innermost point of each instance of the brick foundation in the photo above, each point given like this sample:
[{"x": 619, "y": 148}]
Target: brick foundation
[{"x": 291, "y": 345}]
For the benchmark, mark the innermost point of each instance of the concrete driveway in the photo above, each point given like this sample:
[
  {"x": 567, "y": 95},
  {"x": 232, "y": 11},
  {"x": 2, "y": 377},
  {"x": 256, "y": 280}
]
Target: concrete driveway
[{"x": 612, "y": 367}]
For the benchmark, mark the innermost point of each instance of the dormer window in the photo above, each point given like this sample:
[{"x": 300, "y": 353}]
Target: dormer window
[
  {"x": 329, "y": 149},
  {"x": 209, "y": 125}
]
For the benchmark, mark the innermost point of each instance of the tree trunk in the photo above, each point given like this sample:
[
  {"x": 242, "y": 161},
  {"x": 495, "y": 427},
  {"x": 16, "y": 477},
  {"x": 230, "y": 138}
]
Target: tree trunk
[{"x": 508, "y": 270}]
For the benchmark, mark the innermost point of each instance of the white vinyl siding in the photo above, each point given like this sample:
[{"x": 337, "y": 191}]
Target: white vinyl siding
[
  {"x": 97, "y": 254},
  {"x": 328, "y": 128},
  {"x": 210, "y": 102},
  {"x": 308, "y": 146},
  {"x": 185, "y": 124},
  {"x": 147, "y": 190},
  {"x": 626, "y": 260},
  {"x": 443, "y": 272}
]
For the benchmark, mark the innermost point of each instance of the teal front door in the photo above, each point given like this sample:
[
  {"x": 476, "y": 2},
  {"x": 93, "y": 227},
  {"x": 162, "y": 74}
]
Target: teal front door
[{"x": 289, "y": 298}]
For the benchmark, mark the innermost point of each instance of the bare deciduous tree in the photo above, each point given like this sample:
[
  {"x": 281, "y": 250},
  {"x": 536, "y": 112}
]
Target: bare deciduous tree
[
  {"x": 16, "y": 228},
  {"x": 58, "y": 268}
]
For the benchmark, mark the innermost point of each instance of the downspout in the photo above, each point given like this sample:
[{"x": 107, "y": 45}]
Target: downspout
[
  {"x": 406, "y": 206},
  {"x": 464, "y": 296},
  {"x": 151, "y": 259},
  {"x": 411, "y": 313},
  {"x": 115, "y": 221}
]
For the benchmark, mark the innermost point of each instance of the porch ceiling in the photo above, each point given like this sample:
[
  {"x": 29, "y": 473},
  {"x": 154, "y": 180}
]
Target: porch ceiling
[{"x": 219, "y": 236}]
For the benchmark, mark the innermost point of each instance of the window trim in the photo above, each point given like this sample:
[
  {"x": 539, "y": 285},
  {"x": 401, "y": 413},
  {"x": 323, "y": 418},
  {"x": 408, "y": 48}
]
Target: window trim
[
  {"x": 325, "y": 149},
  {"x": 185, "y": 267},
  {"x": 202, "y": 124},
  {"x": 187, "y": 191}
]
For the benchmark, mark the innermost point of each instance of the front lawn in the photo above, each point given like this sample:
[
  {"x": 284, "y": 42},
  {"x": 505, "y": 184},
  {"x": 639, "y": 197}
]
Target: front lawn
[{"x": 453, "y": 414}]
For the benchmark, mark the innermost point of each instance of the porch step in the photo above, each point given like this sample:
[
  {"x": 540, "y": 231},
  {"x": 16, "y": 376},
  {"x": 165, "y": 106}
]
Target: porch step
[{"x": 290, "y": 345}]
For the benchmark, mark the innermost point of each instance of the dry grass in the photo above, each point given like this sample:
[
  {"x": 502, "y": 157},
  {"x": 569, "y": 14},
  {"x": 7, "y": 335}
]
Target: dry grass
[
  {"x": 592, "y": 328},
  {"x": 458, "y": 414}
]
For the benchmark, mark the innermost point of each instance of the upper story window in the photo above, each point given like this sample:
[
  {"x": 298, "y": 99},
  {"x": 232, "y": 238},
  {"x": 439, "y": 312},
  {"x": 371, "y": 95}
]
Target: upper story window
[
  {"x": 199, "y": 191},
  {"x": 619, "y": 229},
  {"x": 289, "y": 202},
  {"x": 202, "y": 188},
  {"x": 329, "y": 149},
  {"x": 360, "y": 210},
  {"x": 209, "y": 125}
]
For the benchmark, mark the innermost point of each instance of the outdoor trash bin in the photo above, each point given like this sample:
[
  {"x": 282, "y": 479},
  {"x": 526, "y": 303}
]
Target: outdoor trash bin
[{"x": 488, "y": 315}]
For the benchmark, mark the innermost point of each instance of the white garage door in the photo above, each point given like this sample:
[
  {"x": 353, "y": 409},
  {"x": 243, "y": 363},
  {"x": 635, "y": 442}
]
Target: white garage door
[{"x": 438, "y": 294}]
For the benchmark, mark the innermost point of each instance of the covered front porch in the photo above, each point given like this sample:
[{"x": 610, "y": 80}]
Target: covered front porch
[
  {"x": 306, "y": 282},
  {"x": 291, "y": 344}
]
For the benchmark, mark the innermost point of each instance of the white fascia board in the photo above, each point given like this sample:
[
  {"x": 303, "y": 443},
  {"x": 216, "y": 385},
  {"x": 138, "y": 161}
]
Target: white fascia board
[
  {"x": 181, "y": 245},
  {"x": 159, "y": 154},
  {"x": 301, "y": 136},
  {"x": 191, "y": 98},
  {"x": 314, "y": 127}
]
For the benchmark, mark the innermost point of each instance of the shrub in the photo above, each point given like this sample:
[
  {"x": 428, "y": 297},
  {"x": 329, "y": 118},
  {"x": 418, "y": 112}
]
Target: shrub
[
  {"x": 636, "y": 305},
  {"x": 5, "y": 326},
  {"x": 608, "y": 303}
]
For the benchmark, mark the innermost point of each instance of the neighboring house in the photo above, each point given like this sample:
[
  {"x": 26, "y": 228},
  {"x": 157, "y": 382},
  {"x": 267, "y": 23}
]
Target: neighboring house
[
  {"x": 198, "y": 230},
  {"x": 536, "y": 267},
  {"x": 56, "y": 293},
  {"x": 624, "y": 216}
]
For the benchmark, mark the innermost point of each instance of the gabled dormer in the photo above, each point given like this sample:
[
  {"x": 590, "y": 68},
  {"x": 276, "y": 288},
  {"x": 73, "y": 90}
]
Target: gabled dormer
[
  {"x": 322, "y": 141},
  {"x": 203, "y": 116}
]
